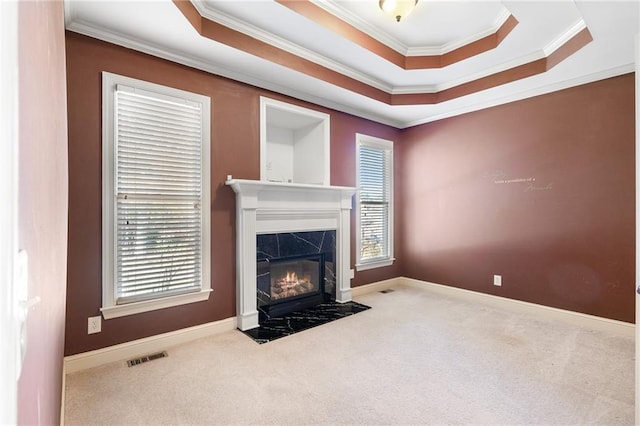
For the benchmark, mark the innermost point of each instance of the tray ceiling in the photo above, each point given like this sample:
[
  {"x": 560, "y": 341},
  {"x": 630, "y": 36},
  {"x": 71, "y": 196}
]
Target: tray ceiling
[{"x": 446, "y": 58}]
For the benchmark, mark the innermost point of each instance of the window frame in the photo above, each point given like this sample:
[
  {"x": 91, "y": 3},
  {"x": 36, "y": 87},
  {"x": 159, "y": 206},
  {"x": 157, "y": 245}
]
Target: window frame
[
  {"x": 388, "y": 259},
  {"x": 109, "y": 307}
]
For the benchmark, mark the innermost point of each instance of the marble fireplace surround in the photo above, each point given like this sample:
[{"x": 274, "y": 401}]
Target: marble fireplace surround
[{"x": 264, "y": 207}]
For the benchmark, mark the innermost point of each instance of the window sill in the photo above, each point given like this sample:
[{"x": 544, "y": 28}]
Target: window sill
[
  {"x": 152, "y": 305},
  {"x": 375, "y": 264}
]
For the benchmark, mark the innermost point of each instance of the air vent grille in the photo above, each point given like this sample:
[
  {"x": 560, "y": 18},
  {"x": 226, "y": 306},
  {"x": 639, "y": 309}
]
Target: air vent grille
[{"x": 146, "y": 358}]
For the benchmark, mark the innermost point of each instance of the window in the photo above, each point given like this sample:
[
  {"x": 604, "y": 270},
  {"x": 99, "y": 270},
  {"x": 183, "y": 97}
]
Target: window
[
  {"x": 374, "y": 220},
  {"x": 155, "y": 192}
]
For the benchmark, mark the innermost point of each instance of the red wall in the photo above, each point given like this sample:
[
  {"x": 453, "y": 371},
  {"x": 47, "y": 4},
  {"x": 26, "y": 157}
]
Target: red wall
[
  {"x": 565, "y": 240},
  {"x": 235, "y": 151},
  {"x": 42, "y": 204}
]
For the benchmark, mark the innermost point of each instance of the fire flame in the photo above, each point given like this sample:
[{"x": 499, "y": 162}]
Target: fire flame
[{"x": 291, "y": 277}]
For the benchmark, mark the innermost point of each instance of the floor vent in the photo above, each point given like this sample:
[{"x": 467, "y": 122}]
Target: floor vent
[
  {"x": 388, "y": 290},
  {"x": 146, "y": 358}
]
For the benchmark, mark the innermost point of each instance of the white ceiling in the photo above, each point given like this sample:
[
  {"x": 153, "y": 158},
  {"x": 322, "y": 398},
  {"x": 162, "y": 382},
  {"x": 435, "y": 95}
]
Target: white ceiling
[{"x": 435, "y": 27}]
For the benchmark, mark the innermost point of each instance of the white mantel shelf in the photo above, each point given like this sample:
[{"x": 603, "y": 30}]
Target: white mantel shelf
[
  {"x": 247, "y": 185},
  {"x": 264, "y": 207}
]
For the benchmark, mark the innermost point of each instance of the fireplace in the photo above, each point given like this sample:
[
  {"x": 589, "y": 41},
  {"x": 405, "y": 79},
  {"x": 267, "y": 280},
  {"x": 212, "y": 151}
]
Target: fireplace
[
  {"x": 266, "y": 209},
  {"x": 294, "y": 270},
  {"x": 289, "y": 284}
]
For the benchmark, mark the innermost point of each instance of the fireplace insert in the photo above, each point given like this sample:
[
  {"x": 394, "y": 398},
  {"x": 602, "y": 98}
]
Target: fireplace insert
[{"x": 291, "y": 283}]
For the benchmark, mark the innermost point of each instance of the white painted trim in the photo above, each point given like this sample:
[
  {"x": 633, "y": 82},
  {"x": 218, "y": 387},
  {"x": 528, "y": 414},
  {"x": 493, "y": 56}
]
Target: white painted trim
[
  {"x": 376, "y": 286},
  {"x": 255, "y": 32},
  {"x": 357, "y": 22},
  {"x": 323, "y": 119},
  {"x": 637, "y": 242},
  {"x": 235, "y": 24},
  {"x": 392, "y": 42},
  {"x": 386, "y": 145},
  {"x": 263, "y": 206},
  {"x": 147, "y": 345},
  {"x": 110, "y": 83},
  {"x": 564, "y": 37},
  {"x": 236, "y": 75},
  {"x": 525, "y": 94},
  {"x": 505, "y": 66},
  {"x": 63, "y": 394},
  {"x": 377, "y": 264},
  {"x": 244, "y": 77},
  {"x": 117, "y": 311},
  {"x": 10, "y": 326},
  {"x": 456, "y": 44},
  {"x": 583, "y": 320}
]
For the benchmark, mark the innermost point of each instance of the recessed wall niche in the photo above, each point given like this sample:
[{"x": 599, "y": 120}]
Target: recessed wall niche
[{"x": 294, "y": 144}]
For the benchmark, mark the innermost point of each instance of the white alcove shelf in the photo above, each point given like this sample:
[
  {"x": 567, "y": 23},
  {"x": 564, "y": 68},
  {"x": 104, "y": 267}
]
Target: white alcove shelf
[{"x": 294, "y": 144}]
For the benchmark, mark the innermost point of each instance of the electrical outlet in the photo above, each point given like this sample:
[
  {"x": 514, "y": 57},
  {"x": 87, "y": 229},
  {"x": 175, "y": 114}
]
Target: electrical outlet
[
  {"x": 94, "y": 325},
  {"x": 352, "y": 273},
  {"x": 497, "y": 280}
]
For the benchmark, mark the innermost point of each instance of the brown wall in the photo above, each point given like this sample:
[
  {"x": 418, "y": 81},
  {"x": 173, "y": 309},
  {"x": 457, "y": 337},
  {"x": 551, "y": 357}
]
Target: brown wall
[
  {"x": 235, "y": 151},
  {"x": 42, "y": 204},
  {"x": 566, "y": 241}
]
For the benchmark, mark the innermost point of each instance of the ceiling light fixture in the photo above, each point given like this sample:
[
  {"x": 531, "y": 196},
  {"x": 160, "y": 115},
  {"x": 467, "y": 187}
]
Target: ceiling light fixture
[{"x": 398, "y": 9}]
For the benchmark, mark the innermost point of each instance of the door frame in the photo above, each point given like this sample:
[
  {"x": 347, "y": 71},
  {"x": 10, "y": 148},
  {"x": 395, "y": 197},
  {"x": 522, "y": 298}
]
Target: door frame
[
  {"x": 9, "y": 354},
  {"x": 637, "y": 273}
]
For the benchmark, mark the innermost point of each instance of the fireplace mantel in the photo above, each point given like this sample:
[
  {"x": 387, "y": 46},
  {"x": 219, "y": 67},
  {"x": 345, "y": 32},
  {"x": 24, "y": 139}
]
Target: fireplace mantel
[{"x": 270, "y": 207}]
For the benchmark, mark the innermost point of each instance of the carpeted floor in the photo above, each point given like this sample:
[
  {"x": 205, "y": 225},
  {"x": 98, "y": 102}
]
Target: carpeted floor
[{"x": 416, "y": 357}]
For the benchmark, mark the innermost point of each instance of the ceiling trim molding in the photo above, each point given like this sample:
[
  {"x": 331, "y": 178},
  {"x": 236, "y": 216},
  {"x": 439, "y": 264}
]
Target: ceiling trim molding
[
  {"x": 362, "y": 25},
  {"x": 528, "y": 93},
  {"x": 357, "y": 22},
  {"x": 238, "y": 40},
  {"x": 529, "y": 69},
  {"x": 466, "y": 51},
  {"x": 471, "y": 47},
  {"x": 128, "y": 42},
  {"x": 110, "y": 36},
  {"x": 454, "y": 45},
  {"x": 564, "y": 37},
  {"x": 281, "y": 43}
]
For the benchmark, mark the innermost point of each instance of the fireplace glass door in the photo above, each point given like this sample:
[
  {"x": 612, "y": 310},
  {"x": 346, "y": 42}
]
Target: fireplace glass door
[
  {"x": 295, "y": 277},
  {"x": 290, "y": 283}
]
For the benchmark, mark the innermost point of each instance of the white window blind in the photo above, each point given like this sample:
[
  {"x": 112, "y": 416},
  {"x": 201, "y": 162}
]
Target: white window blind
[
  {"x": 159, "y": 188},
  {"x": 375, "y": 201},
  {"x": 156, "y": 216}
]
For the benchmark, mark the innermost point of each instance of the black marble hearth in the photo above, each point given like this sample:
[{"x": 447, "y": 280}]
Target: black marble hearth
[{"x": 275, "y": 328}]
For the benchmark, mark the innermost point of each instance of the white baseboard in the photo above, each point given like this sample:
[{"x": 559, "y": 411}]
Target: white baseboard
[
  {"x": 377, "y": 286},
  {"x": 584, "y": 320},
  {"x": 588, "y": 321},
  {"x": 63, "y": 395},
  {"x": 144, "y": 346},
  {"x": 159, "y": 342}
]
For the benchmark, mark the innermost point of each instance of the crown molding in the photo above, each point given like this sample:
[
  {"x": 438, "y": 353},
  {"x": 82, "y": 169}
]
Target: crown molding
[
  {"x": 240, "y": 76},
  {"x": 564, "y": 37},
  {"x": 435, "y": 88},
  {"x": 451, "y": 46},
  {"x": 154, "y": 50},
  {"x": 76, "y": 25},
  {"x": 70, "y": 12},
  {"x": 525, "y": 94},
  {"x": 385, "y": 38},
  {"x": 558, "y": 42},
  {"x": 281, "y": 43},
  {"x": 362, "y": 25}
]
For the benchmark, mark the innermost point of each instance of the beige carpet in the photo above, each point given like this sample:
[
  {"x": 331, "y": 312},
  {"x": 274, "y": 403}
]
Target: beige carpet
[{"x": 417, "y": 357}]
